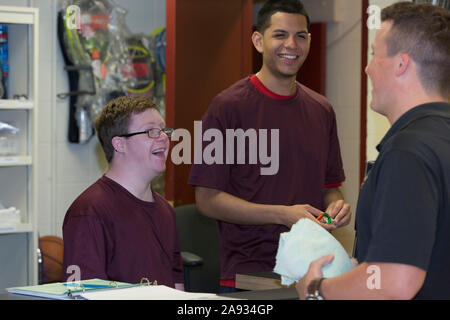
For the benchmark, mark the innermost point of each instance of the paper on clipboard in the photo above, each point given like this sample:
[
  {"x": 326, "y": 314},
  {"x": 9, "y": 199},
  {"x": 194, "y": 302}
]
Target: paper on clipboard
[{"x": 158, "y": 292}]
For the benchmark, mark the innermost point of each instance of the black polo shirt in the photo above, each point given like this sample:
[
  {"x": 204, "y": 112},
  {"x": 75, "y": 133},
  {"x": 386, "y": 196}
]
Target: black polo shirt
[{"x": 403, "y": 211}]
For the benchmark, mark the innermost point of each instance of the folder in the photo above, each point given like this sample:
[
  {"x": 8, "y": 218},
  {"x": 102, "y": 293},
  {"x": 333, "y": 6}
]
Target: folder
[
  {"x": 68, "y": 290},
  {"x": 97, "y": 289}
]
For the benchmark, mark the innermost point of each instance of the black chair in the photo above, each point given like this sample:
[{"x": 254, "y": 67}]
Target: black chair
[{"x": 199, "y": 246}]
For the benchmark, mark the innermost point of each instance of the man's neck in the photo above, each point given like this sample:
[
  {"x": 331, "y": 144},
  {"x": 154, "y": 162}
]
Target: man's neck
[
  {"x": 137, "y": 186},
  {"x": 411, "y": 100},
  {"x": 283, "y": 86}
]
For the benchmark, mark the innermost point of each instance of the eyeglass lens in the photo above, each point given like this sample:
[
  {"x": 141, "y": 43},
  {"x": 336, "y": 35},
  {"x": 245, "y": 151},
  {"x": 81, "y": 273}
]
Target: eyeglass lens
[{"x": 156, "y": 133}]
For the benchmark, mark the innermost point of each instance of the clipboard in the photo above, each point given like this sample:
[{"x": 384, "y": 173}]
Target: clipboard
[
  {"x": 68, "y": 290},
  {"x": 97, "y": 289}
]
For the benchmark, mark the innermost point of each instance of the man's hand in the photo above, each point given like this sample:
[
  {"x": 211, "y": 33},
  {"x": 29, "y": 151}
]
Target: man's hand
[
  {"x": 340, "y": 212},
  {"x": 300, "y": 211},
  {"x": 314, "y": 271}
]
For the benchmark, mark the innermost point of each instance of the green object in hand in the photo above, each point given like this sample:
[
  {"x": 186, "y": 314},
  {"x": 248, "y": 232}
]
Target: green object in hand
[{"x": 329, "y": 220}]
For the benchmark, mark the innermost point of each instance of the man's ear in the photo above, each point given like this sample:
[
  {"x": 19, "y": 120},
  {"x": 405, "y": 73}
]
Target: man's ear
[
  {"x": 403, "y": 63},
  {"x": 118, "y": 143},
  {"x": 257, "y": 39}
]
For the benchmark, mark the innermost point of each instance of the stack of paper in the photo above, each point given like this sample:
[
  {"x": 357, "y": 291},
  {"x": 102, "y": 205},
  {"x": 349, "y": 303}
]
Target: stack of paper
[{"x": 147, "y": 293}]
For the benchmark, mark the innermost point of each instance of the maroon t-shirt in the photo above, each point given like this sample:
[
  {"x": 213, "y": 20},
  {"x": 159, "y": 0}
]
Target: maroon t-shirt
[
  {"x": 309, "y": 160},
  {"x": 110, "y": 234}
]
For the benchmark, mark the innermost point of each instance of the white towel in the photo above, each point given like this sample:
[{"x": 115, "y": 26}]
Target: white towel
[{"x": 307, "y": 241}]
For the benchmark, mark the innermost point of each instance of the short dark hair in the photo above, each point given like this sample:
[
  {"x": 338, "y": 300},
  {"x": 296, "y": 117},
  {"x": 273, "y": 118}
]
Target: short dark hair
[
  {"x": 423, "y": 31},
  {"x": 114, "y": 119},
  {"x": 273, "y": 6}
]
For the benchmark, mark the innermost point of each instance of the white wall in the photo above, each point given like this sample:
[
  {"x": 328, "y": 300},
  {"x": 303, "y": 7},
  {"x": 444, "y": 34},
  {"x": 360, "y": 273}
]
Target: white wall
[
  {"x": 343, "y": 90},
  {"x": 66, "y": 169},
  {"x": 377, "y": 125}
]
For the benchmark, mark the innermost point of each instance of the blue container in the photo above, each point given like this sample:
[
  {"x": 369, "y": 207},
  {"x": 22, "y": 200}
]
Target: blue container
[{"x": 4, "y": 66}]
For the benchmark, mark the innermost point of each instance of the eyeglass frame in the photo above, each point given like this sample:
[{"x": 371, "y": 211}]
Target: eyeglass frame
[{"x": 167, "y": 131}]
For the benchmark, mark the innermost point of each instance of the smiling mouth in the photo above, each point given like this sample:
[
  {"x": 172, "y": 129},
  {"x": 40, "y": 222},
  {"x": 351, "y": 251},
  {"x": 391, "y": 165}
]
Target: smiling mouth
[
  {"x": 159, "y": 151},
  {"x": 291, "y": 57}
]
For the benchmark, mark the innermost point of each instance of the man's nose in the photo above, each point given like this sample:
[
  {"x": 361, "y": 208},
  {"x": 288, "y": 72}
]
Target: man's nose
[
  {"x": 290, "y": 42},
  {"x": 163, "y": 136}
]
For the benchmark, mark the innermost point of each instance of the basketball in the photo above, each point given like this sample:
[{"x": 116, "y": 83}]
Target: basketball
[{"x": 52, "y": 250}]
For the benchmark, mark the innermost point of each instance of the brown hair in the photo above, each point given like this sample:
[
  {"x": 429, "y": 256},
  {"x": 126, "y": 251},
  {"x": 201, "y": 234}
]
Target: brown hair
[
  {"x": 422, "y": 30},
  {"x": 115, "y": 118}
]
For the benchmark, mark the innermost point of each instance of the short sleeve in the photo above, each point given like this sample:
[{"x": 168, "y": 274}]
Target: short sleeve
[{"x": 404, "y": 218}]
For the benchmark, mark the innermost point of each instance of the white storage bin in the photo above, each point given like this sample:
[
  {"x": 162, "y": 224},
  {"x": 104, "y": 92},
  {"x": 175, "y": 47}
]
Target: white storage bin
[{"x": 9, "y": 139}]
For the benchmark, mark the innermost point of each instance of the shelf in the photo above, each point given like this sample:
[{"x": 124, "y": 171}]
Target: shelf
[
  {"x": 20, "y": 228},
  {"x": 12, "y": 161},
  {"x": 16, "y": 104},
  {"x": 18, "y": 15},
  {"x": 18, "y": 174}
]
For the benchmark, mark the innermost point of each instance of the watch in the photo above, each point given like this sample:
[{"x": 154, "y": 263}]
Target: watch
[{"x": 313, "y": 291}]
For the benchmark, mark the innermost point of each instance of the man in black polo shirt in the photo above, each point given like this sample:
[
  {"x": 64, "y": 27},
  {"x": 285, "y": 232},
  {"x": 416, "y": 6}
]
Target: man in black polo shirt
[{"x": 403, "y": 212}]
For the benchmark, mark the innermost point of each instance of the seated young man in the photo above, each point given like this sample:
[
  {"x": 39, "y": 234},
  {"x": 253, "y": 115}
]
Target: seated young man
[{"x": 119, "y": 228}]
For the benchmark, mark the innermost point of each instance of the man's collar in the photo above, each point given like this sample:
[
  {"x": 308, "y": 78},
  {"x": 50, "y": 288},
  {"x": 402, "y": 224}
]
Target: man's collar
[{"x": 440, "y": 109}]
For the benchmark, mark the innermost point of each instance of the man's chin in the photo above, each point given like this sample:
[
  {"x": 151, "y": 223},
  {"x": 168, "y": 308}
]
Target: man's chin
[
  {"x": 159, "y": 168},
  {"x": 373, "y": 106},
  {"x": 289, "y": 73}
]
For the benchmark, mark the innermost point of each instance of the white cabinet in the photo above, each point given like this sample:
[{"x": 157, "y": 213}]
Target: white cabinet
[{"x": 18, "y": 173}]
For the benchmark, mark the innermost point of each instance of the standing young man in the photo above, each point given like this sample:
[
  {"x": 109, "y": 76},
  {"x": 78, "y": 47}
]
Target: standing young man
[
  {"x": 119, "y": 228},
  {"x": 403, "y": 213},
  {"x": 253, "y": 209}
]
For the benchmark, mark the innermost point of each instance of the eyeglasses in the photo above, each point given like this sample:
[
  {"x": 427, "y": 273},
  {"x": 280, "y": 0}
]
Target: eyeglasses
[{"x": 152, "y": 133}]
